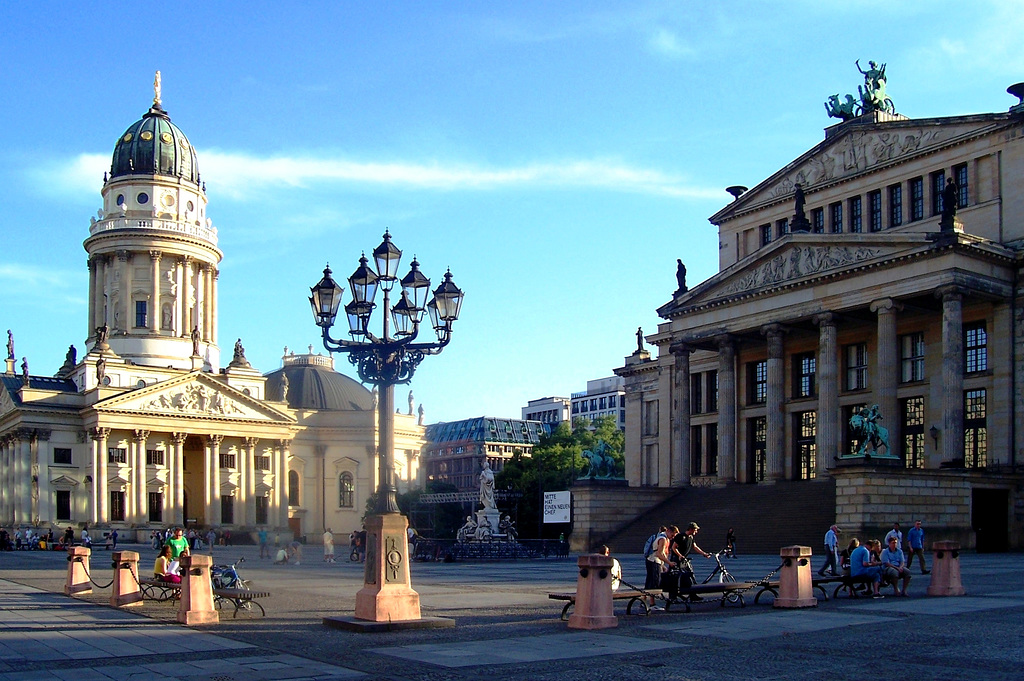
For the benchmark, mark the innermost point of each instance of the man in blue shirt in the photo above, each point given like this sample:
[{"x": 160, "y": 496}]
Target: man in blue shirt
[
  {"x": 894, "y": 567},
  {"x": 831, "y": 561},
  {"x": 915, "y": 539},
  {"x": 862, "y": 565}
]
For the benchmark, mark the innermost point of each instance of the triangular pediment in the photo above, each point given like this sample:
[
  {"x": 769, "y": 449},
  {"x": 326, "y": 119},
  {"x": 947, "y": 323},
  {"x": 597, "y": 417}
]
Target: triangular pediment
[
  {"x": 799, "y": 259},
  {"x": 855, "y": 148},
  {"x": 194, "y": 395},
  {"x": 63, "y": 482}
]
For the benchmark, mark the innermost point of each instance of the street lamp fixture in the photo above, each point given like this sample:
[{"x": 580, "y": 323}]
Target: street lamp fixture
[
  {"x": 386, "y": 360},
  {"x": 391, "y": 358}
]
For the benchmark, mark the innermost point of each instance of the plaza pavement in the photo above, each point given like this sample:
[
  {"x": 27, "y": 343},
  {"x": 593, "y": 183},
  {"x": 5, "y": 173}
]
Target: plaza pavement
[{"x": 507, "y": 629}]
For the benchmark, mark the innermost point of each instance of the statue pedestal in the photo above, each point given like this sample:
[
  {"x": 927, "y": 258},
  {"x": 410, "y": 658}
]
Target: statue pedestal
[
  {"x": 387, "y": 601},
  {"x": 485, "y": 517}
]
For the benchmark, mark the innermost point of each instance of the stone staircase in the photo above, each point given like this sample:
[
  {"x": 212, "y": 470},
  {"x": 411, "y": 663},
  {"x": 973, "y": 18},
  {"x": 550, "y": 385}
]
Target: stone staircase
[{"x": 764, "y": 517}]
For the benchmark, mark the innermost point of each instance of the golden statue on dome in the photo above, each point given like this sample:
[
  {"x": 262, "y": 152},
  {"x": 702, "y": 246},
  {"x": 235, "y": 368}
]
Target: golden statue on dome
[{"x": 156, "y": 91}]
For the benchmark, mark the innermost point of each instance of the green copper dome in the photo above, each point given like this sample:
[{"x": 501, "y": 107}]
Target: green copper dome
[{"x": 155, "y": 146}]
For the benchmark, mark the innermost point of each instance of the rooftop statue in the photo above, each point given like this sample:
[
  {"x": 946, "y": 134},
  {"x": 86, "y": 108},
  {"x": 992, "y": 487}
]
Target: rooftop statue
[
  {"x": 639, "y": 339},
  {"x": 872, "y": 95},
  {"x": 950, "y": 201},
  {"x": 10, "y": 344},
  {"x": 680, "y": 276}
]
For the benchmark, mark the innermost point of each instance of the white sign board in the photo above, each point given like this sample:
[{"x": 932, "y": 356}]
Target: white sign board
[{"x": 556, "y": 507}]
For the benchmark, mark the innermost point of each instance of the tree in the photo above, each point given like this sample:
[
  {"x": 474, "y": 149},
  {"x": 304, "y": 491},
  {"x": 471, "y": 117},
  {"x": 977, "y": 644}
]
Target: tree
[{"x": 554, "y": 464}]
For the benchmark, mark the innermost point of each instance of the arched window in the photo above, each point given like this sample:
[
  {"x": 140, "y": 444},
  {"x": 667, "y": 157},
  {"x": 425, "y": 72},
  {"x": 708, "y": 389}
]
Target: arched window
[
  {"x": 346, "y": 491},
  {"x": 293, "y": 488}
]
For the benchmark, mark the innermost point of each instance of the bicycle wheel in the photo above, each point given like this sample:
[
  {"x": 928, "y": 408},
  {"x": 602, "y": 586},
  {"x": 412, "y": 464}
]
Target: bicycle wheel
[{"x": 726, "y": 577}]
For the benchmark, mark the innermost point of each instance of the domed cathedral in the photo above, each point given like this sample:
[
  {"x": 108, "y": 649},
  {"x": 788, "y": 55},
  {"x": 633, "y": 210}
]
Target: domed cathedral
[
  {"x": 147, "y": 430},
  {"x": 153, "y": 253}
]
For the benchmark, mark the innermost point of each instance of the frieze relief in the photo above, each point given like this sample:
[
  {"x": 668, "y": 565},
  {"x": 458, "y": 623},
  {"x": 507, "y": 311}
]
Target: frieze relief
[
  {"x": 855, "y": 153},
  {"x": 797, "y": 262},
  {"x": 193, "y": 399}
]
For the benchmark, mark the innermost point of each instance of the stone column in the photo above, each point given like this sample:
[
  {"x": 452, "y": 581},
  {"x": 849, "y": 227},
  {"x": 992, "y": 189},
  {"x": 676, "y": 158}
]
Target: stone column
[
  {"x": 22, "y": 477},
  {"x": 99, "y": 475},
  {"x": 779, "y": 466},
  {"x": 99, "y": 301},
  {"x": 44, "y": 503},
  {"x": 283, "y": 482},
  {"x": 199, "y": 314},
  {"x": 828, "y": 392},
  {"x": 680, "y": 472},
  {"x": 6, "y": 514},
  {"x": 727, "y": 452},
  {"x": 92, "y": 300},
  {"x": 124, "y": 295},
  {"x": 179, "y": 297},
  {"x": 250, "y": 480},
  {"x": 208, "y": 302},
  {"x": 213, "y": 447},
  {"x": 952, "y": 374},
  {"x": 139, "y": 484},
  {"x": 187, "y": 321},
  {"x": 888, "y": 370},
  {"x": 154, "y": 299},
  {"x": 179, "y": 477}
]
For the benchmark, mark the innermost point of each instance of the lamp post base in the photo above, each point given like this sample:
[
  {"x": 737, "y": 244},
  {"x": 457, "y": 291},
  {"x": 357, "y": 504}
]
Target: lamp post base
[{"x": 387, "y": 594}]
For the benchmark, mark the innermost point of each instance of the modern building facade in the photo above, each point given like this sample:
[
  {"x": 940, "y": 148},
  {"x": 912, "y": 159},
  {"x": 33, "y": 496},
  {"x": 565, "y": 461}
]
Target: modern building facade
[
  {"x": 883, "y": 297},
  {"x": 603, "y": 397},
  {"x": 549, "y": 410},
  {"x": 148, "y": 429},
  {"x": 455, "y": 451}
]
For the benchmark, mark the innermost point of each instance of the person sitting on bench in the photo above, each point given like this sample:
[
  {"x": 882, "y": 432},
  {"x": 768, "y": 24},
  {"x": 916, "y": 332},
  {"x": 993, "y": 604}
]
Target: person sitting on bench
[
  {"x": 165, "y": 569},
  {"x": 862, "y": 565},
  {"x": 894, "y": 567}
]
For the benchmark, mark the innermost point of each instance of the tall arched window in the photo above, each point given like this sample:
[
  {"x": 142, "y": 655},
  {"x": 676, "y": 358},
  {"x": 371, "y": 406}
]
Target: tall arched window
[
  {"x": 346, "y": 491},
  {"x": 293, "y": 488}
]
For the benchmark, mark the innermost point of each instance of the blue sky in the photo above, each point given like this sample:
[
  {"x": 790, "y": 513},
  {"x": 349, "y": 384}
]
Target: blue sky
[{"x": 557, "y": 156}]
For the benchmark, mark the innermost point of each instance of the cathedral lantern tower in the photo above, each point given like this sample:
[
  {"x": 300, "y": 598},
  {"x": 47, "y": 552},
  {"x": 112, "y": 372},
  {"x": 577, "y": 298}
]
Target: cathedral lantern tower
[{"x": 153, "y": 253}]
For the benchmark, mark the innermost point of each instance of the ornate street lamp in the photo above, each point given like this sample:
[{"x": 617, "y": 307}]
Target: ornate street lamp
[{"x": 386, "y": 360}]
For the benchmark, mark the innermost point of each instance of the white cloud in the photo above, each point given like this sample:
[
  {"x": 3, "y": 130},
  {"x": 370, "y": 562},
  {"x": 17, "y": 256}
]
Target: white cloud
[
  {"x": 239, "y": 175},
  {"x": 667, "y": 43}
]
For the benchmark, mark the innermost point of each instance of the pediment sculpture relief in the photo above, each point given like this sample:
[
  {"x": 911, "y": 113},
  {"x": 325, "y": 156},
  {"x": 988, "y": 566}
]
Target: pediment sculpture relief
[
  {"x": 193, "y": 399},
  {"x": 856, "y": 152},
  {"x": 798, "y": 262}
]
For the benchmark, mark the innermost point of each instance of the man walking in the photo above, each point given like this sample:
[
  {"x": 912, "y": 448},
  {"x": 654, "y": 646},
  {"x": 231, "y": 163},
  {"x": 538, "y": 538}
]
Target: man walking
[
  {"x": 915, "y": 540},
  {"x": 831, "y": 555},
  {"x": 328, "y": 546}
]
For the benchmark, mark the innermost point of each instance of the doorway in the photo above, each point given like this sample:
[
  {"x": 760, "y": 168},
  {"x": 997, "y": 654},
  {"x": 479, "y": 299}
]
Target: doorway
[
  {"x": 990, "y": 509},
  {"x": 295, "y": 525}
]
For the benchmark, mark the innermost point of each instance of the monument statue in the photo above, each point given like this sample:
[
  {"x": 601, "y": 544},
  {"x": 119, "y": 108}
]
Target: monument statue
[
  {"x": 102, "y": 332},
  {"x": 101, "y": 370},
  {"x": 600, "y": 464},
  {"x": 195, "y": 341},
  {"x": 639, "y": 339},
  {"x": 841, "y": 110},
  {"x": 410, "y": 403},
  {"x": 487, "y": 486},
  {"x": 799, "y": 223},
  {"x": 467, "y": 531},
  {"x": 70, "y": 360},
  {"x": 872, "y": 95},
  {"x": 680, "y": 276},
  {"x": 284, "y": 387},
  {"x": 950, "y": 202},
  {"x": 238, "y": 359},
  {"x": 10, "y": 344},
  {"x": 24, "y": 370},
  {"x": 864, "y": 426},
  {"x": 419, "y": 421}
]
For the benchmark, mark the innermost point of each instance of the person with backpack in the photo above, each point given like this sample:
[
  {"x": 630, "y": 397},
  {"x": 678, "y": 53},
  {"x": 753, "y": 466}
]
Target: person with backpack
[{"x": 655, "y": 565}]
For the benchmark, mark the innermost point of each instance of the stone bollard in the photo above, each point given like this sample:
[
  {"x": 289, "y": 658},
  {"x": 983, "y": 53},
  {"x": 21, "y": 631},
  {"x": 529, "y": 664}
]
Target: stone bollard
[
  {"x": 796, "y": 589},
  {"x": 78, "y": 571},
  {"x": 196, "y": 605},
  {"x": 594, "y": 594},
  {"x": 946, "y": 570},
  {"x": 125, "y": 590}
]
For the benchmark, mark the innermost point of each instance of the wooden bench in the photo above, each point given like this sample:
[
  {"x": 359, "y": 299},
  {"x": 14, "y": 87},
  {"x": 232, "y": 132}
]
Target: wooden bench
[
  {"x": 159, "y": 590},
  {"x": 632, "y": 597},
  {"x": 729, "y": 592},
  {"x": 242, "y": 599}
]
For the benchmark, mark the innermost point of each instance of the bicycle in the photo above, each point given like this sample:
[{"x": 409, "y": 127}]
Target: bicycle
[
  {"x": 227, "y": 577},
  {"x": 720, "y": 570}
]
